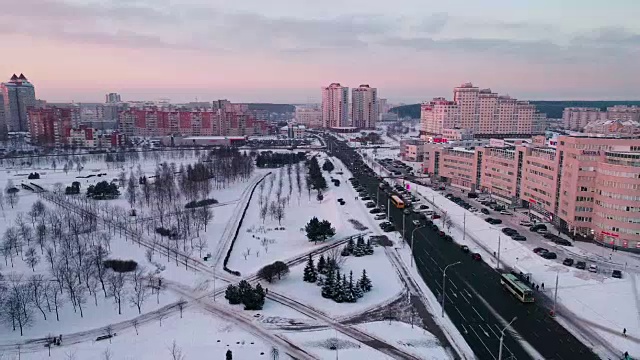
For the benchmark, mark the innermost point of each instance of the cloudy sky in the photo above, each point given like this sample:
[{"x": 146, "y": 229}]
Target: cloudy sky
[{"x": 285, "y": 50}]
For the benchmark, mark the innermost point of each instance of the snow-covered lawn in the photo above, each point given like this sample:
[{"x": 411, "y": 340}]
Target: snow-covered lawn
[
  {"x": 329, "y": 344},
  {"x": 383, "y": 277},
  {"x": 197, "y": 334},
  {"x": 414, "y": 340},
  {"x": 264, "y": 244},
  {"x": 601, "y": 302}
]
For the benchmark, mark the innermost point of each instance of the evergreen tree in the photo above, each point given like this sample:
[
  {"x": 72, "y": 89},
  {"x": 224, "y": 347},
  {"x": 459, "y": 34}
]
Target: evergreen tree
[
  {"x": 348, "y": 290},
  {"x": 320, "y": 281},
  {"x": 329, "y": 284},
  {"x": 232, "y": 295},
  {"x": 310, "y": 274},
  {"x": 351, "y": 245},
  {"x": 260, "y": 296},
  {"x": 339, "y": 291},
  {"x": 229, "y": 355},
  {"x": 355, "y": 288},
  {"x": 345, "y": 251},
  {"x": 322, "y": 265},
  {"x": 369, "y": 248},
  {"x": 365, "y": 282},
  {"x": 244, "y": 290}
]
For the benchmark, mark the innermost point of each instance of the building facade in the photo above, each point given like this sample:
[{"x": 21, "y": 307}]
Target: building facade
[
  {"x": 576, "y": 118},
  {"x": 437, "y": 115},
  {"x": 112, "y": 98},
  {"x": 412, "y": 149},
  {"x": 364, "y": 107},
  {"x": 18, "y": 95},
  {"x": 49, "y": 126},
  {"x": 335, "y": 106},
  {"x": 309, "y": 117}
]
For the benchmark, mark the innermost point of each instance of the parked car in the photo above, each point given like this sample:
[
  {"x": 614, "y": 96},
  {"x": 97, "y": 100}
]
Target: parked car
[
  {"x": 485, "y": 211},
  {"x": 540, "y": 250},
  {"x": 435, "y": 216},
  {"x": 561, "y": 241},
  {"x": 593, "y": 268},
  {"x": 375, "y": 211},
  {"x": 509, "y": 231},
  {"x": 476, "y": 256},
  {"x": 423, "y": 207},
  {"x": 370, "y": 205},
  {"x": 616, "y": 274},
  {"x": 526, "y": 223},
  {"x": 568, "y": 262},
  {"x": 380, "y": 217},
  {"x": 504, "y": 212},
  {"x": 519, "y": 237},
  {"x": 464, "y": 248},
  {"x": 581, "y": 265},
  {"x": 365, "y": 198},
  {"x": 537, "y": 227},
  {"x": 550, "y": 255},
  {"x": 472, "y": 195},
  {"x": 493, "y": 221}
]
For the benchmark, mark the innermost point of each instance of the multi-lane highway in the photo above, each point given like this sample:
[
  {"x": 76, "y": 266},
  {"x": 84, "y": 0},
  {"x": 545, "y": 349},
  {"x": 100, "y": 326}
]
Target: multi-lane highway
[{"x": 475, "y": 301}]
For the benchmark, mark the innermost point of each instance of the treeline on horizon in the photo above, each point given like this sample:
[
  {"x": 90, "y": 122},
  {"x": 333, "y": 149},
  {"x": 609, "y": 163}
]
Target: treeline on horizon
[
  {"x": 272, "y": 108},
  {"x": 553, "y": 109}
]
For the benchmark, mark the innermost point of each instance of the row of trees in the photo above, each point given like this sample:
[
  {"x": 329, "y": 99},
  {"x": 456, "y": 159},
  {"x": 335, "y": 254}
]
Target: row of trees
[
  {"x": 358, "y": 248},
  {"x": 270, "y": 159},
  {"x": 252, "y": 298},
  {"x": 277, "y": 269}
]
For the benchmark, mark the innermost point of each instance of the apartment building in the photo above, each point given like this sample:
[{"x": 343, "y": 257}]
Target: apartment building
[
  {"x": 364, "y": 107},
  {"x": 335, "y": 106},
  {"x": 585, "y": 185},
  {"x": 577, "y": 118},
  {"x": 309, "y": 117},
  {"x": 482, "y": 113},
  {"x": 49, "y": 126},
  {"x": 412, "y": 149}
]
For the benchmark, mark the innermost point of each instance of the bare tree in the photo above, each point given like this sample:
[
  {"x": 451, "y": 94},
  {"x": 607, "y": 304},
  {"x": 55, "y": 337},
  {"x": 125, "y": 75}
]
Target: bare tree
[
  {"x": 107, "y": 355},
  {"x": 32, "y": 258},
  {"x": 131, "y": 190},
  {"x": 117, "y": 283},
  {"x": 176, "y": 352},
  {"x": 17, "y": 310},
  {"x": 55, "y": 294},
  {"x": 201, "y": 245},
  {"x": 12, "y": 193},
  {"x": 205, "y": 215},
  {"x": 140, "y": 290},
  {"x": 38, "y": 292},
  {"x": 264, "y": 210}
]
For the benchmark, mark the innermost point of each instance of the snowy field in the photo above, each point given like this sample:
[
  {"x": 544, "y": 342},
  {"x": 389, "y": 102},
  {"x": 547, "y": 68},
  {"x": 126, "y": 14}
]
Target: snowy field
[{"x": 197, "y": 335}]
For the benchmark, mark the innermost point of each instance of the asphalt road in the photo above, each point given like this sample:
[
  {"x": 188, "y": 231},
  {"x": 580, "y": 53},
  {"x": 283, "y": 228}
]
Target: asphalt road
[{"x": 475, "y": 301}]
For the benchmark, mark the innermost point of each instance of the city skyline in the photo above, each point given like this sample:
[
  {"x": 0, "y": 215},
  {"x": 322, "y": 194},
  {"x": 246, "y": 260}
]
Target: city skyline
[{"x": 283, "y": 52}]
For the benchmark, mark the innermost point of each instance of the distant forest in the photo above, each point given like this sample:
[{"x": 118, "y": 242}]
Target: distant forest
[
  {"x": 553, "y": 109},
  {"x": 273, "y": 108}
]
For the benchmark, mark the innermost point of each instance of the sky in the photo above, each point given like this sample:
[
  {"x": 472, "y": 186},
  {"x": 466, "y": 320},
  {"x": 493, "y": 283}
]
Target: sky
[{"x": 286, "y": 50}]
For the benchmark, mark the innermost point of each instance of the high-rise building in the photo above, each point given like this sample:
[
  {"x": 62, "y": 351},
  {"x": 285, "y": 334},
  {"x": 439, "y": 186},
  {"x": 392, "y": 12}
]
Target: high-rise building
[
  {"x": 113, "y": 98},
  {"x": 481, "y": 112},
  {"x": 383, "y": 106},
  {"x": 364, "y": 107},
  {"x": 49, "y": 126},
  {"x": 18, "y": 94},
  {"x": 335, "y": 106},
  {"x": 309, "y": 117}
]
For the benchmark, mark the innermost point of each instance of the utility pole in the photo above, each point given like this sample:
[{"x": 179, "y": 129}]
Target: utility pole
[
  {"x": 502, "y": 338},
  {"x": 444, "y": 284},
  {"x": 498, "y": 265},
  {"x": 555, "y": 295},
  {"x": 388, "y": 208},
  {"x": 403, "y": 227},
  {"x": 464, "y": 226}
]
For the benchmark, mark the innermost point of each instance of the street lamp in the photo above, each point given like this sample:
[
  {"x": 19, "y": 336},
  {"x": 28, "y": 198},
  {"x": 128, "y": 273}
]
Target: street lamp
[
  {"x": 502, "y": 337},
  {"x": 444, "y": 283},
  {"x": 412, "y": 232}
]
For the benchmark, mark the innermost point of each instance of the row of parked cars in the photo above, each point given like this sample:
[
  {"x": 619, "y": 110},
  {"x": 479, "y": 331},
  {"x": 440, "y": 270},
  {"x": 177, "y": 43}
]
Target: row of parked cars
[{"x": 580, "y": 264}]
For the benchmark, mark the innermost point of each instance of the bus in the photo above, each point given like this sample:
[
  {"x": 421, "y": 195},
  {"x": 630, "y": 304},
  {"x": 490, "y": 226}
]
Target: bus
[
  {"x": 397, "y": 202},
  {"x": 518, "y": 288}
]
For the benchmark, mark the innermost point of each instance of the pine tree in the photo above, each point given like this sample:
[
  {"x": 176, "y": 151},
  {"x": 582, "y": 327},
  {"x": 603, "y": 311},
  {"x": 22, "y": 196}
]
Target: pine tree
[
  {"x": 310, "y": 274},
  {"x": 229, "y": 355},
  {"x": 244, "y": 290},
  {"x": 322, "y": 265},
  {"x": 339, "y": 293},
  {"x": 260, "y": 296},
  {"x": 345, "y": 251},
  {"x": 360, "y": 241},
  {"x": 365, "y": 282},
  {"x": 369, "y": 248},
  {"x": 357, "y": 291},
  {"x": 349, "y": 296},
  {"x": 351, "y": 245},
  {"x": 329, "y": 282},
  {"x": 232, "y": 295},
  {"x": 320, "y": 281}
]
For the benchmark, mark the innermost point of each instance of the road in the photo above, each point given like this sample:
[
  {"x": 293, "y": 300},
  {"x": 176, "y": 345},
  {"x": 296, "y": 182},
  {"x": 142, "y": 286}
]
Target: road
[{"x": 475, "y": 300}]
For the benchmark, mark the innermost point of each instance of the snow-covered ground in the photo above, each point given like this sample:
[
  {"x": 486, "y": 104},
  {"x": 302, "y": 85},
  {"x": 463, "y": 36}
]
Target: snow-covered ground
[
  {"x": 329, "y": 344},
  {"x": 414, "y": 340},
  {"x": 198, "y": 335}
]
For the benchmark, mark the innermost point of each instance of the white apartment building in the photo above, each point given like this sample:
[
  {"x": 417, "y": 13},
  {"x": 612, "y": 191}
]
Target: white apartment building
[
  {"x": 364, "y": 107},
  {"x": 576, "y": 118},
  {"x": 436, "y": 115},
  {"x": 309, "y": 117},
  {"x": 623, "y": 113},
  {"x": 467, "y": 97},
  {"x": 335, "y": 106}
]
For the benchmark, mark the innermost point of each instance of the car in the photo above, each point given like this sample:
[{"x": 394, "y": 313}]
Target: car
[
  {"x": 485, "y": 211},
  {"x": 509, "y": 231},
  {"x": 472, "y": 195},
  {"x": 549, "y": 236},
  {"x": 542, "y": 231},
  {"x": 504, "y": 212},
  {"x": 464, "y": 248},
  {"x": 539, "y": 250},
  {"x": 475, "y": 256},
  {"x": 380, "y": 217},
  {"x": 568, "y": 262},
  {"x": 593, "y": 268},
  {"x": 561, "y": 241},
  {"x": 449, "y": 196},
  {"x": 389, "y": 228},
  {"x": 375, "y": 211},
  {"x": 416, "y": 210},
  {"x": 473, "y": 210},
  {"x": 341, "y": 200},
  {"x": 370, "y": 204},
  {"x": 616, "y": 274},
  {"x": 493, "y": 221},
  {"x": 406, "y": 212},
  {"x": 385, "y": 224},
  {"x": 435, "y": 216},
  {"x": 365, "y": 198},
  {"x": 519, "y": 237},
  {"x": 537, "y": 227},
  {"x": 581, "y": 265},
  {"x": 416, "y": 222},
  {"x": 423, "y": 207},
  {"x": 550, "y": 255},
  {"x": 448, "y": 237},
  {"x": 526, "y": 223}
]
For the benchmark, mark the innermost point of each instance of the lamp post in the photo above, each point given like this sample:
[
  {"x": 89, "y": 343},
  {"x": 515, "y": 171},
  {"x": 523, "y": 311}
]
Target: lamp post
[
  {"x": 404, "y": 216},
  {"x": 502, "y": 337},
  {"x": 444, "y": 284},
  {"x": 412, "y": 233}
]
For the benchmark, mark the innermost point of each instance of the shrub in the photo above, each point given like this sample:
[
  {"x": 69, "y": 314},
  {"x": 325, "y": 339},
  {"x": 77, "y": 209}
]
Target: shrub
[
  {"x": 200, "y": 203},
  {"x": 121, "y": 266}
]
